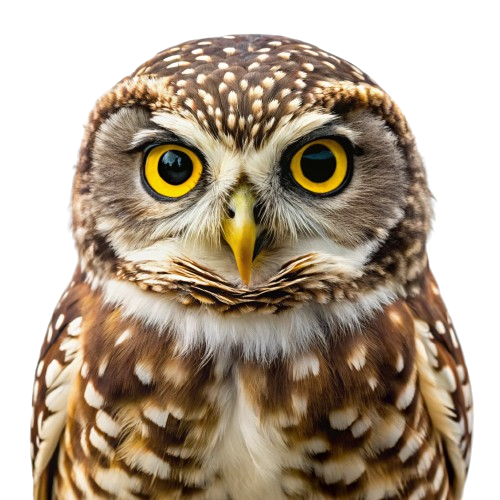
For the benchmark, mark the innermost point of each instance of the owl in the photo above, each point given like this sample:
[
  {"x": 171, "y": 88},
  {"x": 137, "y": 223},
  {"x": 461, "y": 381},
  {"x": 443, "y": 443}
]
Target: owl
[{"x": 252, "y": 314}]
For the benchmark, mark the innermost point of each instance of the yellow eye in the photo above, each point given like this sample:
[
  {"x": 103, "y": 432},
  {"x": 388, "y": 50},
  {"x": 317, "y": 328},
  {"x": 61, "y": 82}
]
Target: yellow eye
[
  {"x": 322, "y": 166},
  {"x": 171, "y": 170}
]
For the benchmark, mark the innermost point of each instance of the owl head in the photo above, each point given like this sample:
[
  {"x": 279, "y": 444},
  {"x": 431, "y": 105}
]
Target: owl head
[{"x": 250, "y": 174}]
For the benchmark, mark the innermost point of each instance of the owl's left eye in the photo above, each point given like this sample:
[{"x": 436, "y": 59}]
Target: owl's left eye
[
  {"x": 322, "y": 166},
  {"x": 171, "y": 170}
]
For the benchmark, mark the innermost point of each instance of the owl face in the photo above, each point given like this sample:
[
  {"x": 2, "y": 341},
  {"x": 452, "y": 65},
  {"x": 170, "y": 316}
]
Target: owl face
[
  {"x": 275, "y": 188},
  {"x": 246, "y": 174}
]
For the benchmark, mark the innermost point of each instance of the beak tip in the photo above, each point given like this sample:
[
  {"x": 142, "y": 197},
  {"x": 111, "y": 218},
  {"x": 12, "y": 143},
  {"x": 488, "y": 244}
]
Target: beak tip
[{"x": 245, "y": 275}]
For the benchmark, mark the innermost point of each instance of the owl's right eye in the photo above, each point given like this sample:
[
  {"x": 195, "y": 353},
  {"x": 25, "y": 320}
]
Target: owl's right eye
[{"x": 171, "y": 170}]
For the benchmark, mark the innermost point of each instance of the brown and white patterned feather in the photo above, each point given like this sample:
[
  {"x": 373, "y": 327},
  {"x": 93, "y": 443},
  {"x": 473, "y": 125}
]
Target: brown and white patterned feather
[
  {"x": 445, "y": 380},
  {"x": 60, "y": 360}
]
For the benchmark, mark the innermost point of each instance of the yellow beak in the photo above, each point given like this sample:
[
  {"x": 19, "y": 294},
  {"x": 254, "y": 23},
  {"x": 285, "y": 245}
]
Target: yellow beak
[{"x": 240, "y": 231}]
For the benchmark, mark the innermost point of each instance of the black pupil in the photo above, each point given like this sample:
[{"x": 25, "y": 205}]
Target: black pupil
[
  {"x": 318, "y": 163},
  {"x": 175, "y": 167}
]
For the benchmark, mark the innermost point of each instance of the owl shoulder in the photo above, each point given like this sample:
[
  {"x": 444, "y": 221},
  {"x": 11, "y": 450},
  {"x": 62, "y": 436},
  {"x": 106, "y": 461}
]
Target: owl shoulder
[
  {"x": 60, "y": 360},
  {"x": 443, "y": 376}
]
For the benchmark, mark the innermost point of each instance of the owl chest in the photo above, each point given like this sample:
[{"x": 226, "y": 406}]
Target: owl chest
[{"x": 157, "y": 423}]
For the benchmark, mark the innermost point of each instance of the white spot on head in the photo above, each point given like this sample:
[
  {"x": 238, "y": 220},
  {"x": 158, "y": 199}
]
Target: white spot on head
[
  {"x": 267, "y": 82},
  {"x": 93, "y": 397},
  {"x": 294, "y": 105},
  {"x": 229, "y": 77},
  {"x": 178, "y": 64},
  {"x": 189, "y": 103},
  {"x": 175, "y": 57},
  {"x": 204, "y": 58},
  {"x": 232, "y": 98},
  {"x": 329, "y": 65},
  {"x": 200, "y": 79},
  {"x": 342, "y": 419},
  {"x": 144, "y": 372},
  {"x": 123, "y": 337},
  {"x": 255, "y": 129},
  {"x": 256, "y": 92},
  {"x": 257, "y": 107}
]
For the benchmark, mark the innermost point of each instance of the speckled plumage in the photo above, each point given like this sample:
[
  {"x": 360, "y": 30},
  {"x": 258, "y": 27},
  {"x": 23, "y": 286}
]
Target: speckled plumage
[{"x": 334, "y": 373}]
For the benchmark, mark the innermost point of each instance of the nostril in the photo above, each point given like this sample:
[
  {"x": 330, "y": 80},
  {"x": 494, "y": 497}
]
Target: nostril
[{"x": 230, "y": 213}]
